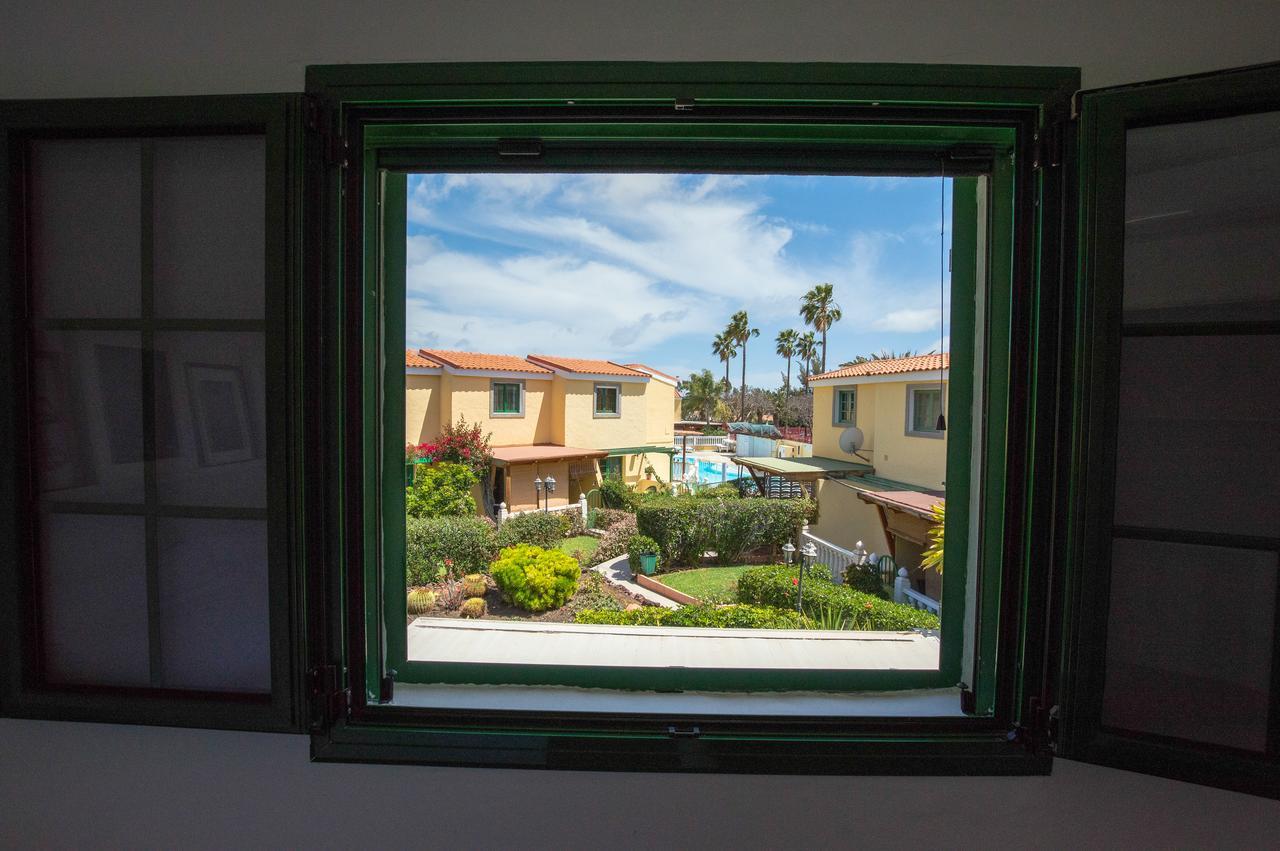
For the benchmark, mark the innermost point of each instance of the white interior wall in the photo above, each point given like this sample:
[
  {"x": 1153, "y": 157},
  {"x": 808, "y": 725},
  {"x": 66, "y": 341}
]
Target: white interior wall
[{"x": 67, "y": 784}]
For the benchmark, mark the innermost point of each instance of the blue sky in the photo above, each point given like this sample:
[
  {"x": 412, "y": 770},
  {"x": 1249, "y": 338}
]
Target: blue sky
[{"x": 649, "y": 267}]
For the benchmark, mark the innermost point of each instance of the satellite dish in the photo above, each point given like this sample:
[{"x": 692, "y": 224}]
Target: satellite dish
[{"x": 851, "y": 440}]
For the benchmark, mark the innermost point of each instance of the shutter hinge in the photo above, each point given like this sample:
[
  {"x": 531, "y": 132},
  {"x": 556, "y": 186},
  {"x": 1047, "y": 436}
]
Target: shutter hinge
[
  {"x": 330, "y": 700},
  {"x": 1047, "y": 148},
  {"x": 316, "y": 120},
  {"x": 692, "y": 732}
]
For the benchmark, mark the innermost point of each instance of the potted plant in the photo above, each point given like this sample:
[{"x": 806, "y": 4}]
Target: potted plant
[{"x": 642, "y": 554}]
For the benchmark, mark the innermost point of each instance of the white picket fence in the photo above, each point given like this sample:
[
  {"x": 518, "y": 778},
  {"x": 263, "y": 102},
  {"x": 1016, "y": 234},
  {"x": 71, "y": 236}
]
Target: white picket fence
[
  {"x": 838, "y": 559},
  {"x": 704, "y": 442}
]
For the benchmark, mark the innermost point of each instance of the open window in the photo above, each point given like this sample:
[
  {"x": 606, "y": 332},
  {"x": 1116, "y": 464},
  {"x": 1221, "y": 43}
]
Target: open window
[{"x": 976, "y": 160}]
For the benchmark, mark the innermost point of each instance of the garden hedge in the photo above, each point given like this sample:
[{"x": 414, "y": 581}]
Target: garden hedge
[
  {"x": 686, "y": 527},
  {"x": 435, "y": 547},
  {"x": 719, "y": 617},
  {"x": 540, "y": 528},
  {"x": 775, "y": 585}
]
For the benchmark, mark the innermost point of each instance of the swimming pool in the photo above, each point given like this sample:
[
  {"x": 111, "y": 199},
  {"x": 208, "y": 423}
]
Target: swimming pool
[{"x": 710, "y": 471}]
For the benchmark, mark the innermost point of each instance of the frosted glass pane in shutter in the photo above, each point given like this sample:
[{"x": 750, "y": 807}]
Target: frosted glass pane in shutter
[
  {"x": 86, "y": 235},
  {"x": 1202, "y": 221},
  {"x": 210, "y": 209},
  {"x": 86, "y": 416},
  {"x": 1198, "y": 446},
  {"x": 218, "y": 414},
  {"x": 1189, "y": 635},
  {"x": 93, "y": 612},
  {"x": 213, "y": 605}
]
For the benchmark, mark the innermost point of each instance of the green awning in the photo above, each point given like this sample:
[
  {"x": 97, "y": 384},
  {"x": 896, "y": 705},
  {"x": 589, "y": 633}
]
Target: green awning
[{"x": 802, "y": 469}]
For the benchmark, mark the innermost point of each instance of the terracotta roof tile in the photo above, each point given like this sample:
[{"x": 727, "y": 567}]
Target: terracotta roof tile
[
  {"x": 890, "y": 366},
  {"x": 412, "y": 358},
  {"x": 479, "y": 360},
  {"x": 584, "y": 365}
]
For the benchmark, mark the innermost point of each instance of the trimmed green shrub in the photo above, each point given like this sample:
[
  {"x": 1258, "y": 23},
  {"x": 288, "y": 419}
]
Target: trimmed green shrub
[
  {"x": 776, "y": 585},
  {"x": 474, "y": 607},
  {"x": 614, "y": 542},
  {"x": 605, "y": 518},
  {"x": 615, "y": 493},
  {"x": 686, "y": 527},
  {"x": 724, "y": 490},
  {"x": 446, "y": 546},
  {"x": 535, "y": 579},
  {"x": 473, "y": 585},
  {"x": 638, "y": 545},
  {"x": 865, "y": 580},
  {"x": 591, "y": 594},
  {"x": 441, "y": 490},
  {"x": 717, "y": 617},
  {"x": 540, "y": 528},
  {"x": 676, "y": 524}
]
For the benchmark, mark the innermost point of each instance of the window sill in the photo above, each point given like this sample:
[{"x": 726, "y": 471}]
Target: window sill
[{"x": 921, "y": 703}]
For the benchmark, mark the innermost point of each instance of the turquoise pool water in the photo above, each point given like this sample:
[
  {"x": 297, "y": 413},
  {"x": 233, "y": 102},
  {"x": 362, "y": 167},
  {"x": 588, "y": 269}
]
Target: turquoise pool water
[{"x": 711, "y": 471}]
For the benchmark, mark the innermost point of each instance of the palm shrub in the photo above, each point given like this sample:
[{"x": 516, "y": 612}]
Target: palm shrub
[
  {"x": 776, "y": 585},
  {"x": 933, "y": 554},
  {"x": 540, "y": 528},
  {"x": 535, "y": 579},
  {"x": 441, "y": 490},
  {"x": 447, "y": 546},
  {"x": 614, "y": 542}
]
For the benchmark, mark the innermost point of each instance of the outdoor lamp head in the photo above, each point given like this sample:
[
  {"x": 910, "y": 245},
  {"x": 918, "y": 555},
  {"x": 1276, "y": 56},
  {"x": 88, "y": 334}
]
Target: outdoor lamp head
[
  {"x": 537, "y": 485},
  {"x": 809, "y": 551},
  {"x": 551, "y": 484},
  {"x": 788, "y": 550}
]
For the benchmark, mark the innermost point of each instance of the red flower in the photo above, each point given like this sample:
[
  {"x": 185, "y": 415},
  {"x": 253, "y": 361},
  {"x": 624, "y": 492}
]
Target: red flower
[{"x": 795, "y": 580}]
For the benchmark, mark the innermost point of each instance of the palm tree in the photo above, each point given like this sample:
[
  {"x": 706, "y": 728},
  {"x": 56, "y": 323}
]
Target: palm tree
[
  {"x": 701, "y": 392},
  {"x": 786, "y": 342},
  {"x": 807, "y": 351},
  {"x": 740, "y": 331},
  {"x": 819, "y": 309},
  {"x": 724, "y": 346}
]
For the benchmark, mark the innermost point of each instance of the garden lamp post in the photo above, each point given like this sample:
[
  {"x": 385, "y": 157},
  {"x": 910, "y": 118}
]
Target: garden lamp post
[
  {"x": 550, "y": 484},
  {"x": 788, "y": 552},
  {"x": 537, "y": 487},
  {"x": 807, "y": 557}
]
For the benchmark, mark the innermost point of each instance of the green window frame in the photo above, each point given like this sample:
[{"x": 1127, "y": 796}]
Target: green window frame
[
  {"x": 960, "y": 120},
  {"x": 602, "y": 408},
  {"x": 506, "y": 398},
  {"x": 845, "y": 403}
]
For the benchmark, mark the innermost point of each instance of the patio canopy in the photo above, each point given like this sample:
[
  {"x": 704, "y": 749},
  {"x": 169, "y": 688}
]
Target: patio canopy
[
  {"x": 533, "y": 453},
  {"x": 801, "y": 469}
]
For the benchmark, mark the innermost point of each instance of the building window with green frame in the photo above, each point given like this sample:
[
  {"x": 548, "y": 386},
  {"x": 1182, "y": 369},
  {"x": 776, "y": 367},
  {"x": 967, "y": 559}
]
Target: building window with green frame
[
  {"x": 924, "y": 406},
  {"x": 608, "y": 400},
  {"x": 845, "y": 406},
  {"x": 506, "y": 399},
  {"x": 611, "y": 466}
]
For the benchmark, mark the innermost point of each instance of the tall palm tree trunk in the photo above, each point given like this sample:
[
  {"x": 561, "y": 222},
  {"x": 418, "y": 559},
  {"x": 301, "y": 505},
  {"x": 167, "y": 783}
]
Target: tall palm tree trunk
[
  {"x": 824, "y": 349},
  {"x": 742, "y": 406},
  {"x": 788, "y": 375}
]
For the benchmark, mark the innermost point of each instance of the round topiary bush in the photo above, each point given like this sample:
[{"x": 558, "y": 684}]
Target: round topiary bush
[{"x": 535, "y": 579}]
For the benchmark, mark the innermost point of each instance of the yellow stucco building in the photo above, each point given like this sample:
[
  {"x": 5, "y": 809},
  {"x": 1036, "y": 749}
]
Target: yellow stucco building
[
  {"x": 573, "y": 419},
  {"x": 895, "y": 404}
]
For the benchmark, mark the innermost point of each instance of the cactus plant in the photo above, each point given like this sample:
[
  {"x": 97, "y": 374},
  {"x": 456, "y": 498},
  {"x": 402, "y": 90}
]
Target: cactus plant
[
  {"x": 474, "y": 608},
  {"x": 420, "y": 601},
  {"x": 473, "y": 585}
]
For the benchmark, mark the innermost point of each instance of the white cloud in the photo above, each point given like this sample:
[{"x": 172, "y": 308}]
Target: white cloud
[{"x": 908, "y": 320}]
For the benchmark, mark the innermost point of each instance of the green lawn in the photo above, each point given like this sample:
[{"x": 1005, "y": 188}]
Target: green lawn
[
  {"x": 703, "y": 581},
  {"x": 586, "y": 543}
]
